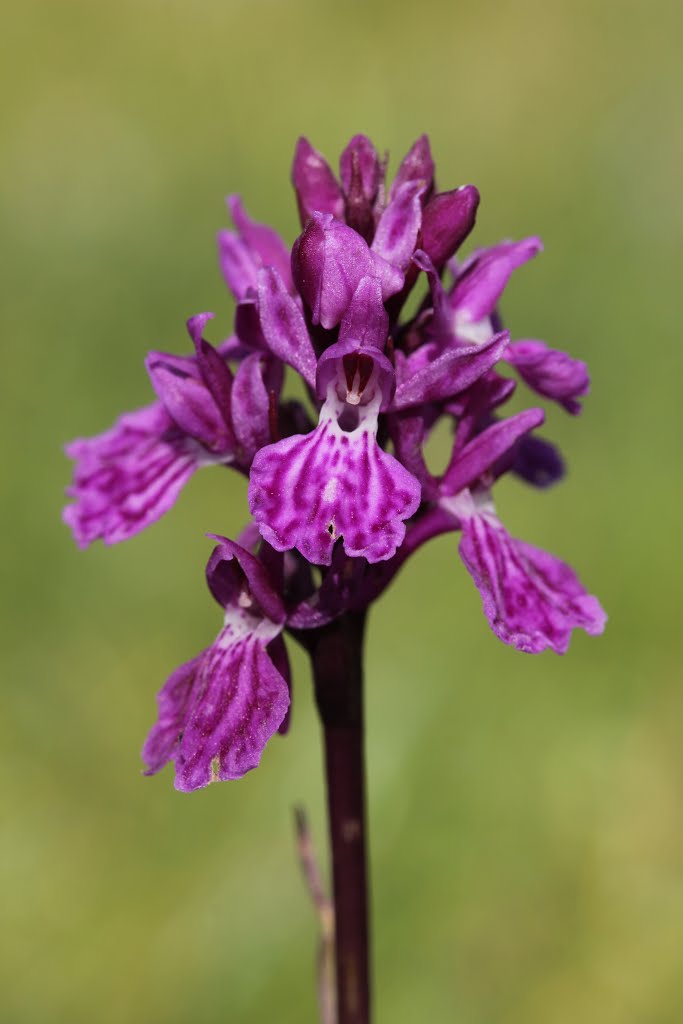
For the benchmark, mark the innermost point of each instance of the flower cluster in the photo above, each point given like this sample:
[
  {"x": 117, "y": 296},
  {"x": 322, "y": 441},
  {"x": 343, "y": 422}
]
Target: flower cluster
[{"x": 339, "y": 482}]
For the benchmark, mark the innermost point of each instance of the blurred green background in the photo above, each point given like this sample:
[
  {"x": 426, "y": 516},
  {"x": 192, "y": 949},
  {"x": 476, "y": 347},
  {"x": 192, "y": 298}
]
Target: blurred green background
[{"x": 527, "y": 814}]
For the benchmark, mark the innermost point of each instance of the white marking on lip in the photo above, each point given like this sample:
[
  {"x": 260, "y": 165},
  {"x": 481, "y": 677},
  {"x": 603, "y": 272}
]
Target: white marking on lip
[{"x": 330, "y": 491}]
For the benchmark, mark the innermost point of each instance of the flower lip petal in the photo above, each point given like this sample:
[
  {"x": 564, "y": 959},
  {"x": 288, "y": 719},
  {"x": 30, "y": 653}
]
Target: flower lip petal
[
  {"x": 240, "y": 701},
  {"x": 531, "y": 599},
  {"x": 128, "y": 477}
]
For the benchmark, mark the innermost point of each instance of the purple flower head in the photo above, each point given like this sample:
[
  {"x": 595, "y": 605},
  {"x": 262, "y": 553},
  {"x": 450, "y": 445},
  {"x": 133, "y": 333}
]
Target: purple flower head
[
  {"x": 340, "y": 489},
  {"x": 218, "y": 711}
]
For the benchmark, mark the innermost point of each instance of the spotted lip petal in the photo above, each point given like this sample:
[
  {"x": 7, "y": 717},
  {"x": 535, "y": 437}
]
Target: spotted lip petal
[
  {"x": 218, "y": 711},
  {"x": 531, "y": 599},
  {"x": 240, "y": 702},
  {"x": 308, "y": 490}
]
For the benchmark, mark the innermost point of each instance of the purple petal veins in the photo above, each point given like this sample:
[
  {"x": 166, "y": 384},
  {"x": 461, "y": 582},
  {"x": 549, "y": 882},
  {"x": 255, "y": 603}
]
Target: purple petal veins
[
  {"x": 218, "y": 711},
  {"x": 531, "y": 599},
  {"x": 128, "y": 477},
  {"x": 308, "y": 490}
]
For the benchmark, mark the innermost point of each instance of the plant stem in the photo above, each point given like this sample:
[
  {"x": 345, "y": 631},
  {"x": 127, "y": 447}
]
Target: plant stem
[{"x": 337, "y": 658}]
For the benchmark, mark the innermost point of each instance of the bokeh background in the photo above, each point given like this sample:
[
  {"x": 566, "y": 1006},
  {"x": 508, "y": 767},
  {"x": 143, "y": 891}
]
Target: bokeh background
[{"x": 527, "y": 813}]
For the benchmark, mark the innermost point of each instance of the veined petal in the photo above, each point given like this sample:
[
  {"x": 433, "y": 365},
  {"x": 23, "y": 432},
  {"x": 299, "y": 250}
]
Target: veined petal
[
  {"x": 531, "y": 599},
  {"x": 175, "y": 703},
  {"x": 308, "y": 490},
  {"x": 240, "y": 702},
  {"x": 128, "y": 477}
]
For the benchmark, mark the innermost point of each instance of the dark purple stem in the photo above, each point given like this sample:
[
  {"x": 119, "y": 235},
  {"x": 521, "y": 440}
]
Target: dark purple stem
[{"x": 337, "y": 657}]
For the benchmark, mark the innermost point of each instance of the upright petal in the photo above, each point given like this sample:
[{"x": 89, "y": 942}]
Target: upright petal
[
  {"x": 128, "y": 477},
  {"x": 447, "y": 220},
  {"x": 317, "y": 189},
  {"x": 263, "y": 241},
  {"x": 550, "y": 373},
  {"x": 483, "y": 277},
  {"x": 399, "y": 225},
  {"x": 251, "y": 406},
  {"x": 366, "y": 321},
  {"x": 283, "y": 325},
  {"x": 237, "y": 263},
  {"x": 417, "y": 165},
  {"x": 531, "y": 599},
  {"x": 359, "y": 167},
  {"x": 188, "y": 401},
  {"x": 328, "y": 261}
]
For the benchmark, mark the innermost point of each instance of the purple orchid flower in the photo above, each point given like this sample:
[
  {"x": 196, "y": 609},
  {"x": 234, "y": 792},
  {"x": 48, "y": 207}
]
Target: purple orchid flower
[
  {"x": 531, "y": 599},
  {"x": 308, "y": 490},
  {"x": 335, "y": 513},
  {"x": 218, "y": 711}
]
